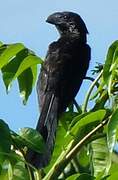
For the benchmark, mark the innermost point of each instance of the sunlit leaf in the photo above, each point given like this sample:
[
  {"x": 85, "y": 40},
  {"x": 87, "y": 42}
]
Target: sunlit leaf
[
  {"x": 34, "y": 73},
  {"x": 73, "y": 177},
  {"x": 113, "y": 176},
  {"x": 109, "y": 60},
  {"x": 67, "y": 119},
  {"x": 114, "y": 167},
  {"x": 77, "y": 118},
  {"x": 9, "y": 53},
  {"x": 29, "y": 61},
  {"x": 25, "y": 82},
  {"x": 112, "y": 130},
  {"x": 83, "y": 157},
  {"x": 100, "y": 159},
  {"x": 9, "y": 70},
  {"x": 23, "y": 65},
  {"x": 92, "y": 117}
]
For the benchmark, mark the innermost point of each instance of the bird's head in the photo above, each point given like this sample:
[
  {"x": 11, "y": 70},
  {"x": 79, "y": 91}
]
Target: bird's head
[{"x": 68, "y": 23}]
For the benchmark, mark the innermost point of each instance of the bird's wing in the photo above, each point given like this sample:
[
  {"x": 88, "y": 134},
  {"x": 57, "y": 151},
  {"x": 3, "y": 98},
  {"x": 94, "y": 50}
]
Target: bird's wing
[
  {"x": 59, "y": 81},
  {"x": 47, "y": 87}
]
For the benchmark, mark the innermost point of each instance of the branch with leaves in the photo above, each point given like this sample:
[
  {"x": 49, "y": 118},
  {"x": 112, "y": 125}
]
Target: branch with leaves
[{"x": 85, "y": 137}]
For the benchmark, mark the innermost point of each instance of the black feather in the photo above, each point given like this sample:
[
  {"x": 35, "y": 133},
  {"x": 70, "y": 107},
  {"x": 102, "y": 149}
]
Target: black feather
[{"x": 60, "y": 78}]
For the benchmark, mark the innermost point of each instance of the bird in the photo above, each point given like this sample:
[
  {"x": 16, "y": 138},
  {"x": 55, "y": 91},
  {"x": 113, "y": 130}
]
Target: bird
[{"x": 60, "y": 78}]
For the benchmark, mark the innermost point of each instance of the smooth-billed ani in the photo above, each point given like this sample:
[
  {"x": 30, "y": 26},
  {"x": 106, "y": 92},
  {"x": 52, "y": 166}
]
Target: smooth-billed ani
[{"x": 60, "y": 78}]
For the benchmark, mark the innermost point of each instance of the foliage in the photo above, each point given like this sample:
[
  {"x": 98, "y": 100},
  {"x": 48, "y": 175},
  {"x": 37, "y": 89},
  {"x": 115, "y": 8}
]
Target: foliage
[{"x": 86, "y": 136}]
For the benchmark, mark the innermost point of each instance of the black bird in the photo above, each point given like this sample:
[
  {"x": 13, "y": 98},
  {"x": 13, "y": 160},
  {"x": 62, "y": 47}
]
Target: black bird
[{"x": 60, "y": 78}]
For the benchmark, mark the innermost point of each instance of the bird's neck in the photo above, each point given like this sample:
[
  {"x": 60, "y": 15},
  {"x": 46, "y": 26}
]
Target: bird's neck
[{"x": 80, "y": 37}]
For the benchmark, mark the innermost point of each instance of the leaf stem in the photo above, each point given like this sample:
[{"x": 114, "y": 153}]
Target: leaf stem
[{"x": 84, "y": 109}]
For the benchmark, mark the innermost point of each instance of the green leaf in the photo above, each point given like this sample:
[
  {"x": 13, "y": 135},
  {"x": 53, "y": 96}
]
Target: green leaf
[
  {"x": 114, "y": 166},
  {"x": 112, "y": 130},
  {"x": 115, "y": 57},
  {"x": 7, "y": 78},
  {"x": 20, "y": 172},
  {"x": 100, "y": 176},
  {"x": 4, "y": 173},
  {"x": 92, "y": 117},
  {"x": 83, "y": 157},
  {"x": 5, "y": 140},
  {"x": 34, "y": 73},
  {"x": 113, "y": 75},
  {"x": 67, "y": 119},
  {"x": 109, "y": 60},
  {"x": 9, "y": 53},
  {"x": 99, "y": 90},
  {"x": 2, "y": 48},
  {"x": 110, "y": 68},
  {"x": 33, "y": 139},
  {"x": 26, "y": 76},
  {"x": 100, "y": 159},
  {"x": 83, "y": 176},
  {"x": 16, "y": 61},
  {"x": 18, "y": 141},
  {"x": 29, "y": 61},
  {"x": 25, "y": 81},
  {"x": 10, "y": 172},
  {"x": 9, "y": 70},
  {"x": 73, "y": 177},
  {"x": 77, "y": 118},
  {"x": 113, "y": 176}
]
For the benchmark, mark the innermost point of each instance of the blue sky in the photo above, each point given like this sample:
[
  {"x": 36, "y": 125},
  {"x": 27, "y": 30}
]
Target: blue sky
[{"x": 24, "y": 21}]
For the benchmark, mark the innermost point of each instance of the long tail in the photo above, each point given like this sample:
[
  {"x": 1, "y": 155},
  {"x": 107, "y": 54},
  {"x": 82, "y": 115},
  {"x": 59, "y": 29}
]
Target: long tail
[{"x": 47, "y": 125}]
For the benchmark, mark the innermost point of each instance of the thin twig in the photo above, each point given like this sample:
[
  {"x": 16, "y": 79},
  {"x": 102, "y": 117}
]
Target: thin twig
[
  {"x": 92, "y": 79},
  {"x": 76, "y": 105},
  {"x": 90, "y": 90}
]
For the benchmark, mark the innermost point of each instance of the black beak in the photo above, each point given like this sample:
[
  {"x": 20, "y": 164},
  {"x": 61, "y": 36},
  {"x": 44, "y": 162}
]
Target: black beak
[{"x": 54, "y": 18}]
